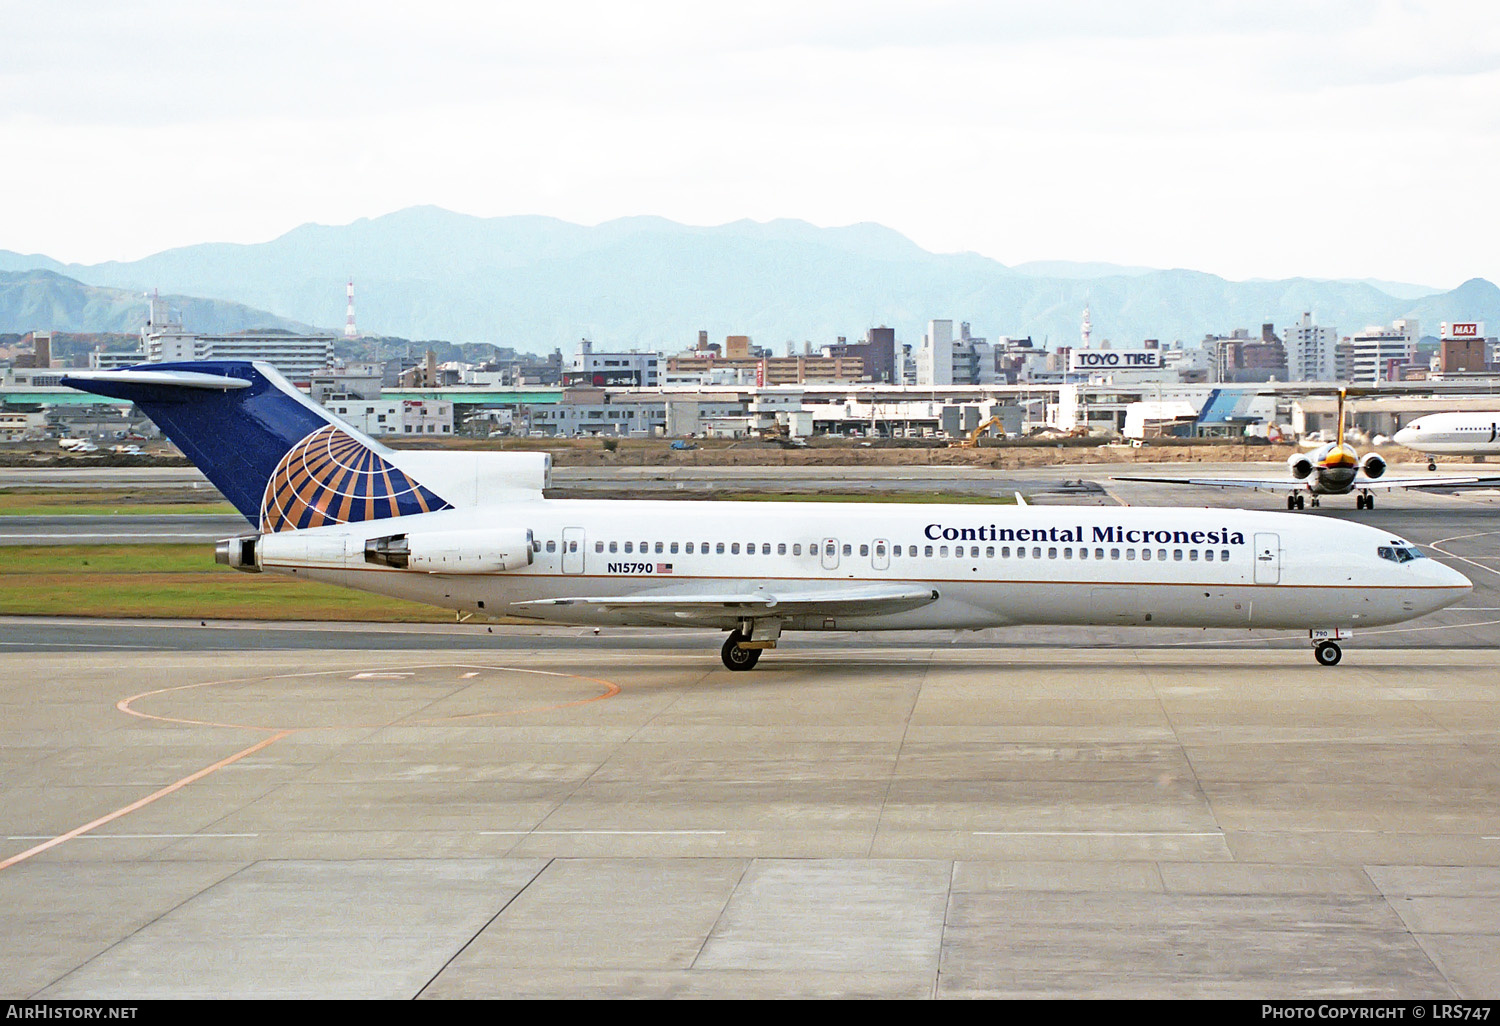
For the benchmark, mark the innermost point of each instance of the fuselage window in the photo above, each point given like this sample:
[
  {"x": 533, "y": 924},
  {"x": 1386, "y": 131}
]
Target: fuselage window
[
  {"x": 1224, "y": 556},
  {"x": 536, "y": 545},
  {"x": 895, "y": 550},
  {"x": 796, "y": 548},
  {"x": 734, "y": 548},
  {"x": 1020, "y": 552},
  {"x": 1113, "y": 553},
  {"x": 572, "y": 546},
  {"x": 674, "y": 548},
  {"x": 628, "y": 546},
  {"x": 989, "y": 552},
  {"x": 1161, "y": 553},
  {"x": 1145, "y": 553},
  {"x": 943, "y": 550},
  {"x": 830, "y": 550},
  {"x": 1052, "y": 552},
  {"x": 1036, "y": 552},
  {"x": 1083, "y": 553},
  {"x": 614, "y": 546},
  {"x": 1129, "y": 554},
  {"x": 1192, "y": 555},
  {"x": 658, "y": 548},
  {"x": 848, "y": 549},
  {"x": 781, "y": 548},
  {"x": 927, "y": 551},
  {"x": 765, "y": 548},
  {"x": 880, "y": 549},
  {"x": 974, "y": 552},
  {"x": 1067, "y": 553},
  {"x": 552, "y": 546},
  {"x": 1177, "y": 555},
  {"x": 719, "y": 549},
  {"x": 864, "y": 550},
  {"x": 1208, "y": 555},
  {"x": 689, "y": 548},
  {"x": 598, "y": 546}
]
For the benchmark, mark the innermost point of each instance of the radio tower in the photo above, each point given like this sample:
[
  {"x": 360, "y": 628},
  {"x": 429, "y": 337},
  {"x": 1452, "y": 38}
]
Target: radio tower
[
  {"x": 1087, "y": 332},
  {"x": 349, "y": 331}
]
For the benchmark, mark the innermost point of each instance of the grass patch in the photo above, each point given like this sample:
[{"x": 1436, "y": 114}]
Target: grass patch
[
  {"x": 41, "y": 502},
  {"x": 177, "y": 581}
]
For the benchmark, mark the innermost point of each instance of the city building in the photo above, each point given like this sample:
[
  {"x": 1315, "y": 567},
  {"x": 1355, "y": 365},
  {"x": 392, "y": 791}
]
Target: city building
[
  {"x": 164, "y": 340},
  {"x": 1310, "y": 351},
  {"x": 1379, "y": 354},
  {"x": 612, "y": 370},
  {"x": 394, "y": 416}
]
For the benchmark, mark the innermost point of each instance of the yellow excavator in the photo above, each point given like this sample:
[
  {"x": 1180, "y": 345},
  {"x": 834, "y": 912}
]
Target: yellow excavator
[{"x": 974, "y": 436}]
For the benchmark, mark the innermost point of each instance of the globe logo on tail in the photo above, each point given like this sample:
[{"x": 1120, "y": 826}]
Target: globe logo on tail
[{"x": 332, "y": 478}]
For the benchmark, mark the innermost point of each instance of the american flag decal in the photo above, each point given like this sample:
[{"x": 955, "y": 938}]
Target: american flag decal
[{"x": 664, "y": 568}]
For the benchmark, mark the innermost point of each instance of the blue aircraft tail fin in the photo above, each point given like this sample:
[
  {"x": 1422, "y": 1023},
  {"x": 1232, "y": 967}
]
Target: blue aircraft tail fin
[{"x": 281, "y": 459}]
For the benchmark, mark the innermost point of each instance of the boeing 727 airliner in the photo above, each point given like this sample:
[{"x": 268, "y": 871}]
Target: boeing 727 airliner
[{"x": 474, "y": 532}]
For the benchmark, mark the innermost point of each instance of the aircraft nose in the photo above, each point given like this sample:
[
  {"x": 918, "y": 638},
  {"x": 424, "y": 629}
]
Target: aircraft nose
[
  {"x": 1448, "y": 579},
  {"x": 1406, "y": 436}
]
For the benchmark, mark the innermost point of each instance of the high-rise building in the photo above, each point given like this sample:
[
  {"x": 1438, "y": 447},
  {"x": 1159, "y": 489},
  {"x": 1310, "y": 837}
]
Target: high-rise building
[
  {"x": 1377, "y": 352},
  {"x": 1310, "y": 350}
]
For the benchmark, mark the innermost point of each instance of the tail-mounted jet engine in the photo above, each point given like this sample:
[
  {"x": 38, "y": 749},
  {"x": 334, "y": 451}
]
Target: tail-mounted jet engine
[
  {"x": 1372, "y": 466},
  {"x": 1299, "y": 465},
  {"x": 433, "y": 552}
]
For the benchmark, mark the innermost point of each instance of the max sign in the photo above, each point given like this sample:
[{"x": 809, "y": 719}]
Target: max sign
[{"x": 1114, "y": 359}]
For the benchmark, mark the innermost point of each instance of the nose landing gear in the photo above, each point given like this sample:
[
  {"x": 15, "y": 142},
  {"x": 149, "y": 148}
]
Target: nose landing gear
[
  {"x": 1328, "y": 653},
  {"x": 1325, "y": 643}
]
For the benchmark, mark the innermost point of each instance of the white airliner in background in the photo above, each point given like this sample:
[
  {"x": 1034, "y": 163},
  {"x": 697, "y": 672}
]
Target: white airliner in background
[
  {"x": 473, "y": 532},
  {"x": 1452, "y": 434}
]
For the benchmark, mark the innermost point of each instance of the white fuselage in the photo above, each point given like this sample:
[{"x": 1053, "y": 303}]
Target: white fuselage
[
  {"x": 1453, "y": 434},
  {"x": 989, "y": 565}
]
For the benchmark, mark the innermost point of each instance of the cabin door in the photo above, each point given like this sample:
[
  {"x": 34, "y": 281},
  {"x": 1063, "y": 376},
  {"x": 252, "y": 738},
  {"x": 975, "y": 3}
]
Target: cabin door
[
  {"x": 830, "y": 553},
  {"x": 880, "y": 556},
  {"x": 1267, "y": 559},
  {"x": 572, "y": 550}
]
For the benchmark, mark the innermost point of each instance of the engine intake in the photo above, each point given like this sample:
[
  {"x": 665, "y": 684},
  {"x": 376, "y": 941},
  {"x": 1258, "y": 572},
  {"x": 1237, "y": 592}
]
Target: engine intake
[
  {"x": 1372, "y": 466},
  {"x": 1299, "y": 465}
]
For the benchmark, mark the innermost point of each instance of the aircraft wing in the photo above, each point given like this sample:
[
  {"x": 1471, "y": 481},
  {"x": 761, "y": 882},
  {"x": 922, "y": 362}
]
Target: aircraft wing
[
  {"x": 1269, "y": 483},
  {"x": 729, "y": 607},
  {"x": 1276, "y": 484},
  {"x": 1426, "y": 482}
]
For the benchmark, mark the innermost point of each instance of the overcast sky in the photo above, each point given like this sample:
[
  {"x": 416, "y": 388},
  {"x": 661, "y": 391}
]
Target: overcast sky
[{"x": 1269, "y": 138}]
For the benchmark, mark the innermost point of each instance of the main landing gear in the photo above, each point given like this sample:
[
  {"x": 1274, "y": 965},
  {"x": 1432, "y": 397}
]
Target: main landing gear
[
  {"x": 736, "y": 656},
  {"x": 744, "y": 645},
  {"x": 1299, "y": 501},
  {"x": 1364, "y": 500}
]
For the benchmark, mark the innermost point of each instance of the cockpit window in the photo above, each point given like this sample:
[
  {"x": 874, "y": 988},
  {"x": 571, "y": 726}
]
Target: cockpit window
[{"x": 1398, "y": 553}]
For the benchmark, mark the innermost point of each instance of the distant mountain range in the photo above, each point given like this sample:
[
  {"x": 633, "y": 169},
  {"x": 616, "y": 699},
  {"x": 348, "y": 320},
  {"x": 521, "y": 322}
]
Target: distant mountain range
[
  {"x": 44, "y": 300},
  {"x": 536, "y": 283}
]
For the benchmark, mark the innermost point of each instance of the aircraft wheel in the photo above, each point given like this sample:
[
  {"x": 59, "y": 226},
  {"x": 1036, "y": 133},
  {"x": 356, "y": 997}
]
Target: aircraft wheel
[
  {"x": 737, "y": 658},
  {"x": 1432, "y": 464},
  {"x": 1328, "y": 654},
  {"x": 1301, "y": 502},
  {"x": 1369, "y": 502},
  {"x": 1291, "y": 502}
]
